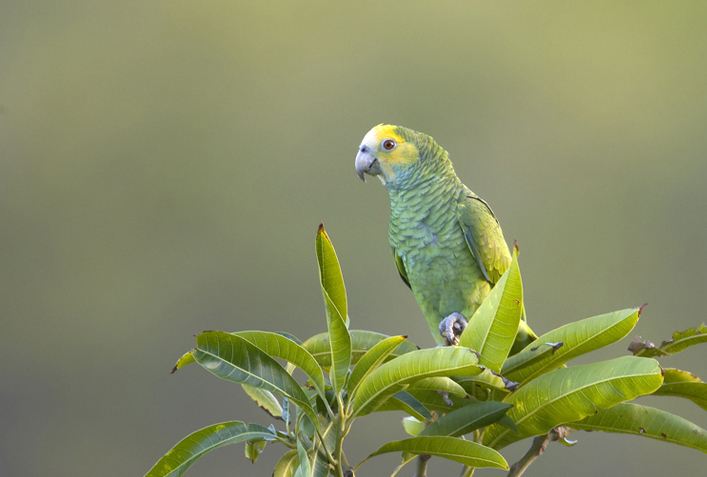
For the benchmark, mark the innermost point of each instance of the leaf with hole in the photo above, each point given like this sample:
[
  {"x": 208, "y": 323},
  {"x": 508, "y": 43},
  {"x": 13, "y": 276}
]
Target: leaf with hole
[{"x": 684, "y": 384}]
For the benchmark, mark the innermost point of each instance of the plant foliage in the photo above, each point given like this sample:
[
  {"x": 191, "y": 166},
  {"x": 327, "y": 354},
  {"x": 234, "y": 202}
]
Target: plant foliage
[{"x": 462, "y": 403}]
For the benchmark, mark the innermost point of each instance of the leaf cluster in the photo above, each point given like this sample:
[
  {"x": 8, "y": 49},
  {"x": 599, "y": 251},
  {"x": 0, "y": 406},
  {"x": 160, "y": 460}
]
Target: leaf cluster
[{"x": 462, "y": 403}]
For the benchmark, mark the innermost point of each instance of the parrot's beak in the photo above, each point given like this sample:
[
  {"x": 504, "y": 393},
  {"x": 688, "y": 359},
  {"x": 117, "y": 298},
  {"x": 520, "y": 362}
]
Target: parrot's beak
[{"x": 366, "y": 163}]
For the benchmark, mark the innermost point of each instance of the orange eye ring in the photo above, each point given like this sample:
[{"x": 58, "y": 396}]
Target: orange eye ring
[{"x": 388, "y": 144}]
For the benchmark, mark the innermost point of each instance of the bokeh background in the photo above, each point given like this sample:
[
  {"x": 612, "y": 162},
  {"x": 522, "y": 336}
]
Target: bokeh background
[{"x": 164, "y": 166}]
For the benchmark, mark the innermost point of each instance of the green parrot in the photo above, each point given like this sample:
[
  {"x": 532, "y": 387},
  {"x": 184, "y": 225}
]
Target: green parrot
[{"x": 447, "y": 244}]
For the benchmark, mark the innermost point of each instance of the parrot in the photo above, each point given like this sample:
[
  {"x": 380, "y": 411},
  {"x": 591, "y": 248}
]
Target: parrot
[{"x": 447, "y": 244}]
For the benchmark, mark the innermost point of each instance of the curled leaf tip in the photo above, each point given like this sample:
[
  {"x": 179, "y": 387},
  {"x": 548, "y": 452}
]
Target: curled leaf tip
[
  {"x": 321, "y": 228},
  {"x": 174, "y": 369},
  {"x": 568, "y": 442},
  {"x": 641, "y": 308}
]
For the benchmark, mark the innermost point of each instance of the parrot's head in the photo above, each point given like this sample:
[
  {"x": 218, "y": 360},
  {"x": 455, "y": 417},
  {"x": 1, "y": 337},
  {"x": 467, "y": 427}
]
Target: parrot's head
[{"x": 398, "y": 155}]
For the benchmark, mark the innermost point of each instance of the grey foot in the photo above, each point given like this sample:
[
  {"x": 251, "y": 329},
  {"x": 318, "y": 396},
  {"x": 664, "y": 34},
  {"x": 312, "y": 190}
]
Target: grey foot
[{"x": 452, "y": 327}]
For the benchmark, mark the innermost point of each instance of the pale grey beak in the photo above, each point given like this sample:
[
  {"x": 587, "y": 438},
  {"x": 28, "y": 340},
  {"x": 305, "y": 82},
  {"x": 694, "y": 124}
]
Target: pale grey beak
[{"x": 366, "y": 163}]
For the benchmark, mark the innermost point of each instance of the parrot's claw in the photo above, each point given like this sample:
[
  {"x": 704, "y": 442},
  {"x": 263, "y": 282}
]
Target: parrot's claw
[
  {"x": 445, "y": 398},
  {"x": 452, "y": 327}
]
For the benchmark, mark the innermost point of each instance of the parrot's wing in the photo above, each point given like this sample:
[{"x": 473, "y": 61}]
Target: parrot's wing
[
  {"x": 484, "y": 236},
  {"x": 401, "y": 268}
]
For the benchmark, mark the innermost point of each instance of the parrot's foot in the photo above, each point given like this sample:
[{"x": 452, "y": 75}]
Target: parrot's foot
[
  {"x": 452, "y": 327},
  {"x": 445, "y": 398}
]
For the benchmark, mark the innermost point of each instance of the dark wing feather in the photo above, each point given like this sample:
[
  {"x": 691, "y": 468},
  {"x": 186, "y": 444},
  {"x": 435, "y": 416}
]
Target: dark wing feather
[{"x": 401, "y": 268}]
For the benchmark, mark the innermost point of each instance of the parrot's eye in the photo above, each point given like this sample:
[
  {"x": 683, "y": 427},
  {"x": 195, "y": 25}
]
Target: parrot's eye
[{"x": 389, "y": 144}]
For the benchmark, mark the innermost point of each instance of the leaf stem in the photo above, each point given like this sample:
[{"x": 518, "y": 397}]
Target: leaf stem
[
  {"x": 400, "y": 467},
  {"x": 330, "y": 412},
  {"x": 329, "y": 457},
  {"x": 286, "y": 439},
  {"x": 341, "y": 434}
]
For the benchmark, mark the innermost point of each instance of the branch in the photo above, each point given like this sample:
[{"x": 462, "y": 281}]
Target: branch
[
  {"x": 467, "y": 471},
  {"x": 421, "y": 470},
  {"x": 539, "y": 445}
]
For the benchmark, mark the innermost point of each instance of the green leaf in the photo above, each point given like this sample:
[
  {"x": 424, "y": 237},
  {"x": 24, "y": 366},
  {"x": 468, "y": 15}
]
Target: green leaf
[
  {"x": 391, "y": 377},
  {"x": 253, "y": 449},
  {"x": 680, "y": 341},
  {"x": 493, "y": 327},
  {"x": 578, "y": 337},
  {"x": 175, "y": 462},
  {"x": 570, "y": 394},
  {"x": 304, "y": 467},
  {"x": 277, "y": 345},
  {"x": 264, "y": 399},
  {"x": 331, "y": 278},
  {"x": 332, "y": 283},
  {"x": 473, "y": 416},
  {"x": 320, "y": 464},
  {"x": 372, "y": 359},
  {"x": 408, "y": 403},
  {"x": 434, "y": 401},
  {"x": 684, "y": 384},
  {"x": 287, "y": 464},
  {"x": 530, "y": 356},
  {"x": 487, "y": 379},
  {"x": 234, "y": 358},
  {"x": 361, "y": 341},
  {"x": 184, "y": 360},
  {"x": 630, "y": 418},
  {"x": 413, "y": 426},
  {"x": 452, "y": 448},
  {"x": 439, "y": 384}
]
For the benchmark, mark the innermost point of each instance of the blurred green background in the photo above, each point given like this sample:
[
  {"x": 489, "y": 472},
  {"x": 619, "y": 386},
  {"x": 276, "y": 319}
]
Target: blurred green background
[{"x": 164, "y": 165}]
